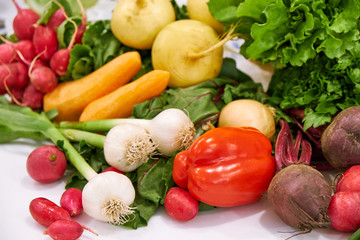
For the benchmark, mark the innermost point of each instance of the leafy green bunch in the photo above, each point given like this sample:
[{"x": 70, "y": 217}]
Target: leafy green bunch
[
  {"x": 290, "y": 32},
  {"x": 322, "y": 86}
]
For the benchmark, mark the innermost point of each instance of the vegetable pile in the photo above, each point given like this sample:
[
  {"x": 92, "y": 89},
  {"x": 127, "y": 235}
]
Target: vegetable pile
[{"x": 143, "y": 112}]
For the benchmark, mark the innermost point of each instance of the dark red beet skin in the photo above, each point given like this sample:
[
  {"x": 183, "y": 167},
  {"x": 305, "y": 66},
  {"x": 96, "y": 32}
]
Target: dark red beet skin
[
  {"x": 340, "y": 141},
  {"x": 300, "y": 196}
]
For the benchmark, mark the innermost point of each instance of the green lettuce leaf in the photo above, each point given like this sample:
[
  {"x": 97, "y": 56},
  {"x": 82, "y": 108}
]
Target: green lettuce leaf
[
  {"x": 291, "y": 32},
  {"x": 322, "y": 86}
]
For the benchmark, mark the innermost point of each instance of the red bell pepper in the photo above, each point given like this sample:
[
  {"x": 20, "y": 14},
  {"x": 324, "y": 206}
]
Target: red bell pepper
[{"x": 226, "y": 166}]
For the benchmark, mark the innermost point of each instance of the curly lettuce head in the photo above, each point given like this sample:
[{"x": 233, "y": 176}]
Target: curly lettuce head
[{"x": 290, "y": 32}]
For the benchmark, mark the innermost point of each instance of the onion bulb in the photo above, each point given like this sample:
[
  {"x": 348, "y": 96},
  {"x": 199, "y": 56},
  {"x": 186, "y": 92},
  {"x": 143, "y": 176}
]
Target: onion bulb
[
  {"x": 190, "y": 50},
  {"x": 127, "y": 146},
  {"x": 248, "y": 113},
  {"x": 108, "y": 197},
  {"x": 199, "y": 10},
  {"x": 137, "y": 22}
]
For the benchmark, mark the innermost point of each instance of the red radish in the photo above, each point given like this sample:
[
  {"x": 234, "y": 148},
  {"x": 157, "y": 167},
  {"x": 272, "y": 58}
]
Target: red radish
[
  {"x": 13, "y": 75},
  {"x": 114, "y": 169},
  {"x": 43, "y": 78},
  {"x": 71, "y": 201},
  {"x": 349, "y": 180},
  {"x": 82, "y": 27},
  {"x": 23, "y": 23},
  {"x": 22, "y": 78},
  {"x": 8, "y": 74},
  {"x": 7, "y": 54},
  {"x": 33, "y": 98},
  {"x": 46, "y": 164},
  {"x": 25, "y": 47},
  {"x": 56, "y": 19},
  {"x": 66, "y": 230},
  {"x": 59, "y": 62},
  {"x": 16, "y": 95},
  {"x": 45, "y": 42},
  {"x": 180, "y": 205},
  {"x": 46, "y": 212},
  {"x": 344, "y": 211}
]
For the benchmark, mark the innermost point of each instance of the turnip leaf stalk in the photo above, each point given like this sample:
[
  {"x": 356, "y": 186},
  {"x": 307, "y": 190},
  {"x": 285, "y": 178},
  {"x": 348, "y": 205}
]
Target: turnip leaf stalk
[{"x": 24, "y": 119}]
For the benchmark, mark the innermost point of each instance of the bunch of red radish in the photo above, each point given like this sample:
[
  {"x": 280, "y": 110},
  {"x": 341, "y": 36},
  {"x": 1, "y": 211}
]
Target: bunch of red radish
[
  {"x": 58, "y": 219},
  {"x": 47, "y": 164},
  {"x": 30, "y": 67}
]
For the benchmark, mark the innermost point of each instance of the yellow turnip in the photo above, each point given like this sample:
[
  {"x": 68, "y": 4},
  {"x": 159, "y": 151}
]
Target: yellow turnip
[
  {"x": 137, "y": 22},
  {"x": 190, "y": 50}
]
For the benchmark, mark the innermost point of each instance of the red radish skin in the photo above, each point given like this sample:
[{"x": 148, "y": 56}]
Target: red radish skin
[
  {"x": 71, "y": 201},
  {"x": 45, "y": 212},
  {"x": 45, "y": 42},
  {"x": 32, "y": 97},
  {"x": 65, "y": 230},
  {"x": 46, "y": 164},
  {"x": 56, "y": 19},
  {"x": 13, "y": 75},
  {"x": 44, "y": 79},
  {"x": 16, "y": 95},
  {"x": 26, "y": 48},
  {"x": 344, "y": 211},
  {"x": 349, "y": 180},
  {"x": 22, "y": 78},
  {"x": 8, "y": 74},
  {"x": 23, "y": 23},
  {"x": 114, "y": 169},
  {"x": 7, "y": 54},
  {"x": 180, "y": 205},
  {"x": 82, "y": 28},
  {"x": 59, "y": 62}
]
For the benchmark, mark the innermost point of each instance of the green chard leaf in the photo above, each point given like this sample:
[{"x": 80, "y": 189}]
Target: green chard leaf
[{"x": 204, "y": 101}]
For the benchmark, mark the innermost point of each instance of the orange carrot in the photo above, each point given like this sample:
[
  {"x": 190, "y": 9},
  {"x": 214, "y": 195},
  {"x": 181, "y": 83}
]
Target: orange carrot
[
  {"x": 70, "y": 98},
  {"x": 120, "y": 103}
]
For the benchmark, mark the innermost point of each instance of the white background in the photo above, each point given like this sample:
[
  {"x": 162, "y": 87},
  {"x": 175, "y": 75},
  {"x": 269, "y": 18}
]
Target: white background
[{"x": 253, "y": 222}]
